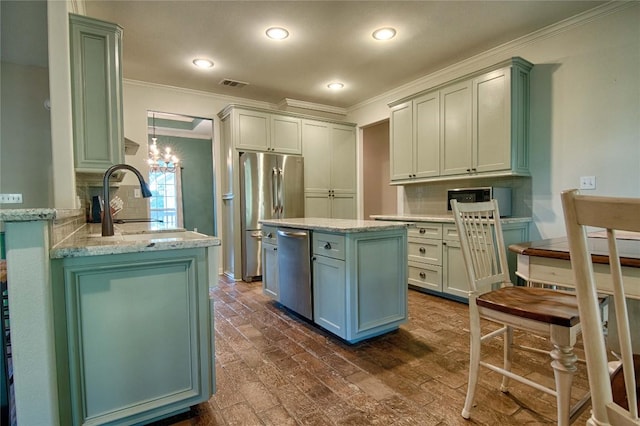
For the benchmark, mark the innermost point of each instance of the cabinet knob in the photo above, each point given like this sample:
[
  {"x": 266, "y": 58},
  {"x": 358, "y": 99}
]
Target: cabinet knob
[
  {"x": 270, "y": 235},
  {"x": 422, "y": 230},
  {"x": 327, "y": 246},
  {"x": 275, "y": 248},
  {"x": 423, "y": 275},
  {"x": 422, "y": 250},
  {"x": 468, "y": 170},
  {"x": 313, "y": 258}
]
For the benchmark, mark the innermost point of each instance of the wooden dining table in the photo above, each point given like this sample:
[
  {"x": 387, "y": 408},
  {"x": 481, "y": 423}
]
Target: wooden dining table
[{"x": 548, "y": 262}]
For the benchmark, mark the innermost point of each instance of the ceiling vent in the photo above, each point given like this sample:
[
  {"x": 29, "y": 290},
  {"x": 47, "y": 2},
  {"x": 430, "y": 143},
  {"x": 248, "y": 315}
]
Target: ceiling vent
[{"x": 232, "y": 83}]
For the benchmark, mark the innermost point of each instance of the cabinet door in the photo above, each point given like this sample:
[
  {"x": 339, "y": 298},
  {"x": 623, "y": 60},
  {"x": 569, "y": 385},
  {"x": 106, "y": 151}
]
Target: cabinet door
[
  {"x": 270, "y": 270},
  {"x": 317, "y": 204},
  {"x": 286, "y": 135},
  {"x": 315, "y": 149},
  {"x": 454, "y": 275},
  {"x": 329, "y": 294},
  {"x": 455, "y": 129},
  {"x": 343, "y": 206},
  {"x": 402, "y": 159},
  {"x": 492, "y": 121},
  {"x": 96, "y": 77},
  {"x": 426, "y": 122},
  {"x": 343, "y": 159},
  {"x": 252, "y": 130}
]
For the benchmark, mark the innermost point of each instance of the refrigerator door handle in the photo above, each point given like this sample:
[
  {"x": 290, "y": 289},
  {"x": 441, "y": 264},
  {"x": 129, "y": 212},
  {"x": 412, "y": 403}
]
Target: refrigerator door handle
[
  {"x": 274, "y": 191},
  {"x": 280, "y": 194}
]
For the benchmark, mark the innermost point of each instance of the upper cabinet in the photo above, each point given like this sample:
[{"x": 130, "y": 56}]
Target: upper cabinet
[
  {"x": 330, "y": 169},
  {"x": 96, "y": 85},
  {"x": 266, "y": 132},
  {"x": 474, "y": 126}
]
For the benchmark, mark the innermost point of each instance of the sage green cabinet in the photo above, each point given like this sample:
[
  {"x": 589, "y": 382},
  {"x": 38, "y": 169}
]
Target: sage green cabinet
[
  {"x": 415, "y": 131},
  {"x": 96, "y": 85},
  {"x": 134, "y": 335},
  {"x": 359, "y": 282},
  {"x": 270, "y": 263},
  {"x": 476, "y": 126},
  {"x": 330, "y": 169},
  {"x": 266, "y": 132}
]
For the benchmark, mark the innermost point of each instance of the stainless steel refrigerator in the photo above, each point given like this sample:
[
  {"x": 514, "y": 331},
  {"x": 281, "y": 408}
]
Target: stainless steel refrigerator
[{"x": 271, "y": 187}]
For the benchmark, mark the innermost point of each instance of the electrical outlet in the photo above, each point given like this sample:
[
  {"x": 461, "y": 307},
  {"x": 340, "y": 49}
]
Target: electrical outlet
[
  {"x": 10, "y": 198},
  {"x": 587, "y": 182},
  {"x": 136, "y": 193}
]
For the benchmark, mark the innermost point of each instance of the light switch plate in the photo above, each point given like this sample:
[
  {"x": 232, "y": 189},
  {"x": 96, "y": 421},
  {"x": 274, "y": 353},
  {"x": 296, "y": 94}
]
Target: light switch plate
[
  {"x": 587, "y": 182},
  {"x": 10, "y": 198}
]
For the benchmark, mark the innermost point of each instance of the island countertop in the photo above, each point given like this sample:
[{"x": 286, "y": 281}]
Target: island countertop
[
  {"x": 129, "y": 238},
  {"x": 334, "y": 225},
  {"x": 443, "y": 218}
]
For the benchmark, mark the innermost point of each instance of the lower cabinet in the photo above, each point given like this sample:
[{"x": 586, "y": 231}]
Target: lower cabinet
[
  {"x": 359, "y": 282},
  {"x": 134, "y": 335},
  {"x": 435, "y": 261},
  {"x": 270, "y": 263}
]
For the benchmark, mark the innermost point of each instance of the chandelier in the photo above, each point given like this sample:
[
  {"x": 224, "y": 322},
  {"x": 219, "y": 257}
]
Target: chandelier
[{"x": 161, "y": 161}]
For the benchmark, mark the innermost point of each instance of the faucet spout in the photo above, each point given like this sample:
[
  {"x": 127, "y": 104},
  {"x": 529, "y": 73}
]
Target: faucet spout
[{"x": 107, "y": 220}]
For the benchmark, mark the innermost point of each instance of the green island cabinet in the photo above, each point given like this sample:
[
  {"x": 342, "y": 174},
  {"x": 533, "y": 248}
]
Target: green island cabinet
[
  {"x": 359, "y": 278},
  {"x": 474, "y": 126},
  {"x": 96, "y": 86},
  {"x": 134, "y": 335}
]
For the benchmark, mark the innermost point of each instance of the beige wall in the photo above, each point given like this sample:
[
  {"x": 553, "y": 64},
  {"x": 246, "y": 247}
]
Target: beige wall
[
  {"x": 378, "y": 197},
  {"x": 585, "y": 98}
]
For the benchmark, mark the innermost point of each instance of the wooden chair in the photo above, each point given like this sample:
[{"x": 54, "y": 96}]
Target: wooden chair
[
  {"x": 612, "y": 214},
  {"x": 492, "y": 296}
]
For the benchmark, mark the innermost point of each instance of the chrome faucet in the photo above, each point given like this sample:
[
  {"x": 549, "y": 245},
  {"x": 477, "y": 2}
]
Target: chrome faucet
[{"x": 107, "y": 220}]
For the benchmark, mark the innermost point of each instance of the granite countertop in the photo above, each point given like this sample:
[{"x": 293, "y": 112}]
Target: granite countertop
[
  {"x": 334, "y": 225},
  {"x": 129, "y": 238},
  {"x": 443, "y": 218},
  {"x": 28, "y": 215}
]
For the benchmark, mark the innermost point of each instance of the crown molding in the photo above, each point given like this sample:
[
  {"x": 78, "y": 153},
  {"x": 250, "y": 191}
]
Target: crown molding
[
  {"x": 503, "y": 51},
  {"x": 294, "y": 103}
]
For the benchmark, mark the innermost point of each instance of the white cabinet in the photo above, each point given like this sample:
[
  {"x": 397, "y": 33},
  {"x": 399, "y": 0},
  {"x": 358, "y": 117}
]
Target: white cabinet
[
  {"x": 266, "y": 132},
  {"x": 96, "y": 86},
  {"x": 415, "y": 131},
  {"x": 330, "y": 169},
  {"x": 476, "y": 126},
  {"x": 454, "y": 272},
  {"x": 424, "y": 255},
  {"x": 270, "y": 263}
]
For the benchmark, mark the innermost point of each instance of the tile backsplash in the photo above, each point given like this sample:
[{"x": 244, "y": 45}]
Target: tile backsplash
[
  {"x": 431, "y": 198},
  {"x": 134, "y": 208}
]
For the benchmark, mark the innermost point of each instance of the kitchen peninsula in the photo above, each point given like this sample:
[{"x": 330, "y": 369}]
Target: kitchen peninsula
[
  {"x": 358, "y": 279},
  {"x": 113, "y": 329}
]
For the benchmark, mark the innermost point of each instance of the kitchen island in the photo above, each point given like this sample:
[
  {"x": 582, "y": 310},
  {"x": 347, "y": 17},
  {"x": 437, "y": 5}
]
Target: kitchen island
[{"x": 358, "y": 273}]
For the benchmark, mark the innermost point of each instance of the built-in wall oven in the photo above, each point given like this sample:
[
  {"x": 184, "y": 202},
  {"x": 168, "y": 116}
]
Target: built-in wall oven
[{"x": 480, "y": 194}]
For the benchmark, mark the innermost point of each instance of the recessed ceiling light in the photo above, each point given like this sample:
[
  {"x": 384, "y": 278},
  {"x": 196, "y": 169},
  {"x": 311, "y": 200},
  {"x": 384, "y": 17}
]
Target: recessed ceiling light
[
  {"x": 335, "y": 86},
  {"x": 202, "y": 63},
  {"x": 384, "y": 33},
  {"x": 277, "y": 33}
]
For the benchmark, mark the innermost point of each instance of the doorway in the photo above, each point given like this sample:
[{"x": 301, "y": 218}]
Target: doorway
[
  {"x": 377, "y": 195},
  {"x": 184, "y": 189}
]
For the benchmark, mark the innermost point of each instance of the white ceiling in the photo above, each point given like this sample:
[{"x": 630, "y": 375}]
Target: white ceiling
[{"x": 329, "y": 41}]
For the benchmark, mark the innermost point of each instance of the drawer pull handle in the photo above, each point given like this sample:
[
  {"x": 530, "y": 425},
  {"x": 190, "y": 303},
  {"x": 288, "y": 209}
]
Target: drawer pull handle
[
  {"x": 423, "y": 275},
  {"x": 422, "y": 250},
  {"x": 422, "y": 230},
  {"x": 327, "y": 246}
]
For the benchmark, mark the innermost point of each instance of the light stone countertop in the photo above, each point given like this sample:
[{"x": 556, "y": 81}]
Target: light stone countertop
[
  {"x": 334, "y": 225},
  {"x": 442, "y": 218},
  {"x": 129, "y": 238}
]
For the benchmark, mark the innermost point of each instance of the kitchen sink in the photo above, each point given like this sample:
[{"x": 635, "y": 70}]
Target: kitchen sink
[{"x": 150, "y": 236}]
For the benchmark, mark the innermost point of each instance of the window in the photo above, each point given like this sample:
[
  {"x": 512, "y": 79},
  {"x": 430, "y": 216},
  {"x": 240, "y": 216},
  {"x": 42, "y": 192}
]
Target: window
[{"x": 165, "y": 204}]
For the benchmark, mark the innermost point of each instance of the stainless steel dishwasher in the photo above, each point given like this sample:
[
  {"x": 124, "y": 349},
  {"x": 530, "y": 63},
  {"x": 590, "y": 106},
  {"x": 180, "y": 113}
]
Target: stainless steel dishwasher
[{"x": 294, "y": 270}]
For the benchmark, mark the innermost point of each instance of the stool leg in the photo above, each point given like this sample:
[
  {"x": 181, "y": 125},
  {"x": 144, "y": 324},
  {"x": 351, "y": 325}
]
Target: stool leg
[
  {"x": 564, "y": 367},
  {"x": 508, "y": 355},
  {"x": 475, "y": 334}
]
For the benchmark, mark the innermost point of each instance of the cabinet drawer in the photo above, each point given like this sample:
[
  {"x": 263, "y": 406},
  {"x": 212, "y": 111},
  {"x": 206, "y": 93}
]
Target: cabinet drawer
[
  {"x": 450, "y": 233},
  {"x": 425, "y": 276},
  {"x": 329, "y": 245},
  {"x": 425, "y": 230},
  {"x": 424, "y": 250},
  {"x": 269, "y": 235}
]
